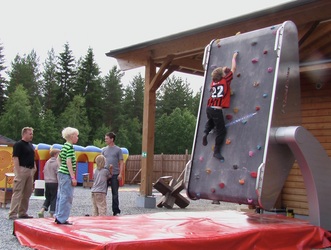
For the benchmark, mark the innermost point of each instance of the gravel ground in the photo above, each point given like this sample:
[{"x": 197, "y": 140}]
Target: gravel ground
[{"x": 82, "y": 205}]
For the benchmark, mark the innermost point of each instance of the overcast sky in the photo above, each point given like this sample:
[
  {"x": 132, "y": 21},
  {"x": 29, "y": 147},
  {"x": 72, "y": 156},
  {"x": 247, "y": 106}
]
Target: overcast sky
[{"x": 106, "y": 25}]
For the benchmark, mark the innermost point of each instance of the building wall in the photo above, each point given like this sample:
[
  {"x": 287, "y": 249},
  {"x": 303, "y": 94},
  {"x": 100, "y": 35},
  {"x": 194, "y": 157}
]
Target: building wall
[{"x": 316, "y": 118}]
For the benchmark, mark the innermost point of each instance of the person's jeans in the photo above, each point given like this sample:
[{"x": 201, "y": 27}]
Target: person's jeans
[
  {"x": 51, "y": 197},
  {"x": 114, "y": 191},
  {"x": 65, "y": 197}
]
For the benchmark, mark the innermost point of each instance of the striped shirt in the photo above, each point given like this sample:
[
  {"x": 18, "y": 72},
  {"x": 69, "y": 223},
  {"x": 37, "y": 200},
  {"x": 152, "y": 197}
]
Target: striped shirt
[{"x": 67, "y": 151}]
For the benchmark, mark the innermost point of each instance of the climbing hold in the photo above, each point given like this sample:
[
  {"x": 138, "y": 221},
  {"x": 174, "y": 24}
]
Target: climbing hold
[
  {"x": 258, "y": 147},
  {"x": 255, "y": 60},
  {"x": 265, "y": 95},
  {"x": 201, "y": 158},
  {"x": 253, "y": 43},
  {"x": 244, "y": 122},
  {"x": 265, "y": 52},
  {"x": 228, "y": 141},
  {"x": 231, "y": 92},
  {"x": 221, "y": 185},
  {"x": 213, "y": 190},
  {"x": 241, "y": 181},
  {"x": 256, "y": 84},
  {"x": 238, "y": 75},
  {"x": 257, "y": 108},
  {"x": 228, "y": 117},
  {"x": 253, "y": 174},
  {"x": 235, "y": 166},
  {"x": 235, "y": 110},
  {"x": 251, "y": 153},
  {"x": 238, "y": 33},
  {"x": 208, "y": 170},
  {"x": 249, "y": 200},
  {"x": 270, "y": 69},
  {"x": 218, "y": 42},
  {"x": 273, "y": 27}
]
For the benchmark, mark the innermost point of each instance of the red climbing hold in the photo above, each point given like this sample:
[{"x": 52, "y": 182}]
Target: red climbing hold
[
  {"x": 228, "y": 117},
  {"x": 255, "y": 60},
  {"x": 221, "y": 185},
  {"x": 253, "y": 174}
]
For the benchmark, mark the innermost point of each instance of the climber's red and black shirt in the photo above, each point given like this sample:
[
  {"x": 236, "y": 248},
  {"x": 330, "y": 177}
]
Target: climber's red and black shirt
[{"x": 220, "y": 92}]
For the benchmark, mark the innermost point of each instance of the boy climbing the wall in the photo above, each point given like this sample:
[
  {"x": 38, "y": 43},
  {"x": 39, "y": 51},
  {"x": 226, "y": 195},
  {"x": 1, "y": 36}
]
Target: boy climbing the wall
[{"x": 219, "y": 99}]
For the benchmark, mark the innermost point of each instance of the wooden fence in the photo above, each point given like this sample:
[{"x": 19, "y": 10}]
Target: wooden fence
[{"x": 164, "y": 165}]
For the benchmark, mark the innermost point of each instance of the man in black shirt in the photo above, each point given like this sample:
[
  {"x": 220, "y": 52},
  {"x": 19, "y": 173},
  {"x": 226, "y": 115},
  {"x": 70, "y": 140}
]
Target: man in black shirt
[{"x": 24, "y": 169}]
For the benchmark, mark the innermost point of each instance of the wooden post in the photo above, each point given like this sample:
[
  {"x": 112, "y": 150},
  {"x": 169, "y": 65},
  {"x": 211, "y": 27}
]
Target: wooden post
[
  {"x": 153, "y": 81},
  {"x": 147, "y": 154}
]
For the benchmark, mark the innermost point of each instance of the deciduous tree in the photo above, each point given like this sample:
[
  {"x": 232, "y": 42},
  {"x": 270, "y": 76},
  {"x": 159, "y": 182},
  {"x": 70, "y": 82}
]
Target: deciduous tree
[{"x": 17, "y": 114}]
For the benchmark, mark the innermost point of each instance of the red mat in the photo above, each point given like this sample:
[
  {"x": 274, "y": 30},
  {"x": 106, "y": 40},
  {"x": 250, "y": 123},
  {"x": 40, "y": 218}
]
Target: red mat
[{"x": 174, "y": 230}]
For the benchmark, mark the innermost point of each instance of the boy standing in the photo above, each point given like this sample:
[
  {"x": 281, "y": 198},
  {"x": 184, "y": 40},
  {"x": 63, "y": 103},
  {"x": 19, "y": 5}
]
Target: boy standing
[
  {"x": 99, "y": 188},
  {"x": 51, "y": 184}
]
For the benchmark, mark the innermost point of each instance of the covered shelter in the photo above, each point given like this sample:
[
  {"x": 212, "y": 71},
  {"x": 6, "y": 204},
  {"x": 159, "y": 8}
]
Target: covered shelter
[
  {"x": 6, "y": 141},
  {"x": 183, "y": 52}
]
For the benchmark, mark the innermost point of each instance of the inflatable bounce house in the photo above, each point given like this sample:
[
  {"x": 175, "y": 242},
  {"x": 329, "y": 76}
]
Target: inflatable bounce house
[
  {"x": 6, "y": 164},
  {"x": 85, "y": 161},
  {"x": 6, "y": 170}
]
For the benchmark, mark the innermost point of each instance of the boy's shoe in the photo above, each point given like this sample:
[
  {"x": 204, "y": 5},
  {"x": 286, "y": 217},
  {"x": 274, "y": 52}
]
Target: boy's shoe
[
  {"x": 64, "y": 223},
  {"x": 40, "y": 215},
  {"x": 219, "y": 156},
  {"x": 204, "y": 140}
]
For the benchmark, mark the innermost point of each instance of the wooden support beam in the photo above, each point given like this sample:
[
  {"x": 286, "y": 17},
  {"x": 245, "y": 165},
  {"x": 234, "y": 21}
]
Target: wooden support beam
[
  {"x": 153, "y": 81},
  {"x": 160, "y": 76},
  {"x": 307, "y": 32},
  {"x": 148, "y": 131}
]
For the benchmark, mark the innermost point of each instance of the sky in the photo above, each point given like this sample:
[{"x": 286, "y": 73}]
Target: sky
[{"x": 106, "y": 25}]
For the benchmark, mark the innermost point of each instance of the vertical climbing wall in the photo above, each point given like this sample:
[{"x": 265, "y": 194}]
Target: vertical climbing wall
[{"x": 265, "y": 93}]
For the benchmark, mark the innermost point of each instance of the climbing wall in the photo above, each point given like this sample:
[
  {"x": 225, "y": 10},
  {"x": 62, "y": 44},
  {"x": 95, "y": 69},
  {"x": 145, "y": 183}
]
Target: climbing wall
[{"x": 265, "y": 94}]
